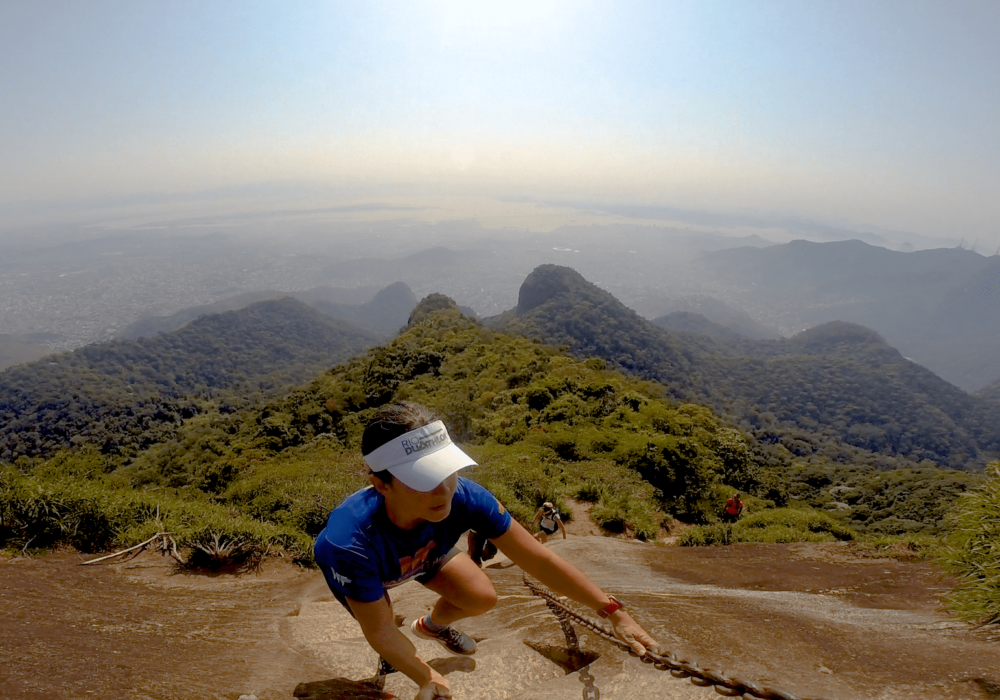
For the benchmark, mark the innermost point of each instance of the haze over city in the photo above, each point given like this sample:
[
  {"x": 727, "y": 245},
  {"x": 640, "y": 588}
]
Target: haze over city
[{"x": 738, "y": 117}]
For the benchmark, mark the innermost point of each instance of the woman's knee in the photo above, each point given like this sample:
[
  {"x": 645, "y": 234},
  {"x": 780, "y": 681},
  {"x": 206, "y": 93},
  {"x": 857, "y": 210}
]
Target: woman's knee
[
  {"x": 480, "y": 599},
  {"x": 487, "y": 599}
]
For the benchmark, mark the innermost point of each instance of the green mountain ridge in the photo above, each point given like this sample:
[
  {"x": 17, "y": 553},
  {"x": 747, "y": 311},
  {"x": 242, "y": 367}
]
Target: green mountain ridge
[
  {"x": 382, "y": 314},
  {"x": 125, "y": 395},
  {"x": 530, "y": 415},
  {"x": 542, "y": 424},
  {"x": 936, "y": 306},
  {"x": 261, "y": 476},
  {"x": 697, "y": 324},
  {"x": 685, "y": 315},
  {"x": 837, "y": 383}
]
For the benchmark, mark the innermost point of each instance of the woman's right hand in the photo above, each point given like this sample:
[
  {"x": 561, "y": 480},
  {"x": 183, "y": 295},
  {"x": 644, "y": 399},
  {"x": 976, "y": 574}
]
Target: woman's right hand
[{"x": 436, "y": 687}]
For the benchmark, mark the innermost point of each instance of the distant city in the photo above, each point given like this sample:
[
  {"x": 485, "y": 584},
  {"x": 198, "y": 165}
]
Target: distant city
[
  {"x": 85, "y": 291},
  {"x": 935, "y": 306}
]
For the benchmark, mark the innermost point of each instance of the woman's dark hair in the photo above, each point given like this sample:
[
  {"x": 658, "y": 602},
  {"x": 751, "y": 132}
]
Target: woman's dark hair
[{"x": 391, "y": 421}]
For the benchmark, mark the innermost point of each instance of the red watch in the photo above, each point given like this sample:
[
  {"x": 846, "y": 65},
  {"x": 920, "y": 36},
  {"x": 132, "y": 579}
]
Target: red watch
[{"x": 611, "y": 607}]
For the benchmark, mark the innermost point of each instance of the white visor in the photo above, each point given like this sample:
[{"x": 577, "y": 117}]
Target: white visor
[{"x": 421, "y": 458}]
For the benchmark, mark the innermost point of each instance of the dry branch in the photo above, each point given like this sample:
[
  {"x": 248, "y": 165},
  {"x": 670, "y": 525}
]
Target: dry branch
[{"x": 140, "y": 546}]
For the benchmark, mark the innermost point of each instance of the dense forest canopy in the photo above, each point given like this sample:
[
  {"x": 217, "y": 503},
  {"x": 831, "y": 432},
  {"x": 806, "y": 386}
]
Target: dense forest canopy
[
  {"x": 990, "y": 393},
  {"x": 938, "y": 306},
  {"x": 124, "y": 396},
  {"x": 832, "y": 387}
]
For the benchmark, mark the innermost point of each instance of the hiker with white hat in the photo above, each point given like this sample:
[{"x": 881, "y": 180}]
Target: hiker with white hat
[
  {"x": 549, "y": 522},
  {"x": 406, "y": 526}
]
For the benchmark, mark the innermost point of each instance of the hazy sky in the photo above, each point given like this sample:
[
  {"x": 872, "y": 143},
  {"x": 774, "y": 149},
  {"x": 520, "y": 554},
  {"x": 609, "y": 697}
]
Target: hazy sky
[{"x": 876, "y": 112}]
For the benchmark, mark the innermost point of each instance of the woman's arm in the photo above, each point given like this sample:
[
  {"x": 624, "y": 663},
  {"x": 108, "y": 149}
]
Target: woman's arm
[
  {"x": 562, "y": 527},
  {"x": 564, "y": 578},
  {"x": 380, "y": 630}
]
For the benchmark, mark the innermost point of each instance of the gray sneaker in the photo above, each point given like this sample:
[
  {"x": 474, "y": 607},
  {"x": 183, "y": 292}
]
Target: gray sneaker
[{"x": 453, "y": 640}]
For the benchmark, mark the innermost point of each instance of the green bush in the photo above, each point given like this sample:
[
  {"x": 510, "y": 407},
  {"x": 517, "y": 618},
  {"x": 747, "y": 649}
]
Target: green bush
[
  {"x": 880, "y": 501},
  {"x": 973, "y": 552},
  {"x": 626, "y": 513},
  {"x": 298, "y": 488},
  {"x": 93, "y": 516},
  {"x": 780, "y": 525},
  {"x": 912, "y": 546},
  {"x": 522, "y": 477}
]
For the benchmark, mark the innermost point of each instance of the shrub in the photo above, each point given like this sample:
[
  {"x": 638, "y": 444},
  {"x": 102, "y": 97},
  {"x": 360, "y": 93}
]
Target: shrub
[
  {"x": 913, "y": 546},
  {"x": 780, "y": 525},
  {"x": 92, "y": 516},
  {"x": 628, "y": 514},
  {"x": 973, "y": 552},
  {"x": 297, "y": 489}
]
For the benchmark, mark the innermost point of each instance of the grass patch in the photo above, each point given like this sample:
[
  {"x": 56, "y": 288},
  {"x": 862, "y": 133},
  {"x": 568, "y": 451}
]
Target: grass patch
[
  {"x": 297, "y": 489},
  {"x": 777, "y": 526},
  {"x": 92, "y": 517},
  {"x": 901, "y": 547},
  {"x": 973, "y": 552}
]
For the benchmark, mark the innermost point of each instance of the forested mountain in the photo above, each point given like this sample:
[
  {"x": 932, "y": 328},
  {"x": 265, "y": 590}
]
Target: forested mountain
[
  {"x": 938, "y": 307},
  {"x": 535, "y": 418},
  {"x": 683, "y": 312},
  {"x": 381, "y": 311},
  {"x": 696, "y": 324},
  {"x": 990, "y": 393},
  {"x": 557, "y": 305},
  {"x": 231, "y": 483},
  {"x": 383, "y": 316},
  {"x": 124, "y": 395},
  {"x": 837, "y": 383},
  {"x": 542, "y": 425}
]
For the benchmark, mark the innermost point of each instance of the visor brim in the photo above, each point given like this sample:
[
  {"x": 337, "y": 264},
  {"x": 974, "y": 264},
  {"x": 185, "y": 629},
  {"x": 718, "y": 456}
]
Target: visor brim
[{"x": 426, "y": 473}]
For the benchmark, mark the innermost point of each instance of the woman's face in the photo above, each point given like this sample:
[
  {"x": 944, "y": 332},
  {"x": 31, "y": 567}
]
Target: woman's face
[{"x": 409, "y": 506}]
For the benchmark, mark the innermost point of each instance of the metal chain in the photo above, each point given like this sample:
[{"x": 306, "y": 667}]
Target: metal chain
[
  {"x": 723, "y": 683},
  {"x": 590, "y": 691},
  {"x": 564, "y": 622}
]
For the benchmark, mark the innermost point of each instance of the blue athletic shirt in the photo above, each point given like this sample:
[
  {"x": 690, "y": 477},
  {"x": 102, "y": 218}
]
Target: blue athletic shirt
[{"x": 362, "y": 553}]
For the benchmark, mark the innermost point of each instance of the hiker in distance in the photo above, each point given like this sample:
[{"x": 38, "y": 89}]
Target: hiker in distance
[
  {"x": 406, "y": 525},
  {"x": 733, "y": 509},
  {"x": 548, "y": 521}
]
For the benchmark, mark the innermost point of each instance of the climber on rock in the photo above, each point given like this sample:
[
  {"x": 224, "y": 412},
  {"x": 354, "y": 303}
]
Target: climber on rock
[{"x": 406, "y": 525}]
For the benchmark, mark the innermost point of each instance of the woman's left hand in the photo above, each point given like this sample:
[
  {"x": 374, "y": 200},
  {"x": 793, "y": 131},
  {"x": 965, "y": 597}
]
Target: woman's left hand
[{"x": 629, "y": 631}]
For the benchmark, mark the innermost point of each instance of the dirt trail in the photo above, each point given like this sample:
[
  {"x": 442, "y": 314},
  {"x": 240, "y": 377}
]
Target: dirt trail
[{"x": 808, "y": 618}]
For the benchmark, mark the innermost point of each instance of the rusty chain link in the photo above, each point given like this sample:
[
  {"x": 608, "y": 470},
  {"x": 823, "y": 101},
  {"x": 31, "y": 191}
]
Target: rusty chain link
[
  {"x": 590, "y": 691},
  {"x": 667, "y": 661},
  {"x": 566, "y": 624}
]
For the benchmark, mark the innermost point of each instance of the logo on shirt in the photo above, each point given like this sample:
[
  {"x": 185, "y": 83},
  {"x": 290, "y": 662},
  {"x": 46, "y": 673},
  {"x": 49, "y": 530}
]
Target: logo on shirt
[
  {"x": 409, "y": 566},
  {"x": 500, "y": 507},
  {"x": 411, "y": 445},
  {"x": 342, "y": 580}
]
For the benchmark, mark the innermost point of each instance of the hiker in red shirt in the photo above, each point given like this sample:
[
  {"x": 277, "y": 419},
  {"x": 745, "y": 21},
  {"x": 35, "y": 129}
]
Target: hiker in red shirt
[{"x": 734, "y": 507}]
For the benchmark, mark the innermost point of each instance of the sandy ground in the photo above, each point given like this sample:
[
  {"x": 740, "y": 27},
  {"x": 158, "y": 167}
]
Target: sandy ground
[{"x": 809, "y": 618}]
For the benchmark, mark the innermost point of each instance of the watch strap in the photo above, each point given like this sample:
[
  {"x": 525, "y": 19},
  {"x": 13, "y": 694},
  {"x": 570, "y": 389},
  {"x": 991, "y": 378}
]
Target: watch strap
[{"x": 611, "y": 607}]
